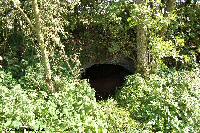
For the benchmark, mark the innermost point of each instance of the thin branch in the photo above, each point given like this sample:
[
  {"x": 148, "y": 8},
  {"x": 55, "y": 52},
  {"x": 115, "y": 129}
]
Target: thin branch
[{"x": 24, "y": 15}]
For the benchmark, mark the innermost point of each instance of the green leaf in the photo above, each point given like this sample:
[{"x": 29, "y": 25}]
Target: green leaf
[{"x": 16, "y": 124}]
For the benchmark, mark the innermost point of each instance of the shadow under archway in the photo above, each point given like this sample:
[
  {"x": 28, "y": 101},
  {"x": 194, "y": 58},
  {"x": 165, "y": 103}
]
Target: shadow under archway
[{"x": 105, "y": 79}]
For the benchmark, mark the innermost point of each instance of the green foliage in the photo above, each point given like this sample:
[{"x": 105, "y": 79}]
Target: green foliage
[
  {"x": 37, "y": 109},
  {"x": 73, "y": 109},
  {"x": 113, "y": 114},
  {"x": 33, "y": 78},
  {"x": 183, "y": 31},
  {"x": 189, "y": 26},
  {"x": 103, "y": 27},
  {"x": 165, "y": 102},
  {"x": 6, "y": 79}
]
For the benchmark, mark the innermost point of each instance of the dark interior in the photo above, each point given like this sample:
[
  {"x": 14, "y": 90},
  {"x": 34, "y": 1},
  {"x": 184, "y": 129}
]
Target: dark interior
[{"x": 105, "y": 79}]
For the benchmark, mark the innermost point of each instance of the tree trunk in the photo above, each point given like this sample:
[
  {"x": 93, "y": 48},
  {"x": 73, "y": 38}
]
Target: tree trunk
[
  {"x": 42, "y": 46},
  {"x": 142, "y": 54}
]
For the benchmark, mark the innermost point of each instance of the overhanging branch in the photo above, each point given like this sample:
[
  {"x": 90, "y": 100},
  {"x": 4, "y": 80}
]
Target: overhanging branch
[{"x": 23, "y": 14}]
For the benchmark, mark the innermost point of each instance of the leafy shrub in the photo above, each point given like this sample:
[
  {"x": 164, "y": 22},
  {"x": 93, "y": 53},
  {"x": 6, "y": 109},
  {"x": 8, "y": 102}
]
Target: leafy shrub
[
  {"x": 117, "y": 118},
  {"x": 166, "y": 102},
  {"x": 73, "y": 109},
  {"x": 34, "y": 78},
  {"x": 6, "y": 79},
  {"x": 70, "y": 110}
]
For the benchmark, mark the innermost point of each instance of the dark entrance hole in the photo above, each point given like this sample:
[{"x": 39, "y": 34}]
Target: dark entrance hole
[{"x": 105, "y": 79}]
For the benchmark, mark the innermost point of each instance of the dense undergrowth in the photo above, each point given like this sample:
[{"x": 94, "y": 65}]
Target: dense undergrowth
[
  {"x": 167, "y": 102},
  {"x": 73, "y": 109}
]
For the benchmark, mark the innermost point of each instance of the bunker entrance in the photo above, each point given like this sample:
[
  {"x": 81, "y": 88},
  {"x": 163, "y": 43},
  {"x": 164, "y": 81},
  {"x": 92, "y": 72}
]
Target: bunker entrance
[{"x": 105, "y": 79}]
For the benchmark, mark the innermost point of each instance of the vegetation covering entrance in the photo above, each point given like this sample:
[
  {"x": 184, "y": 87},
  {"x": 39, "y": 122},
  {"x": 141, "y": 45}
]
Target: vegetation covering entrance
[{"x": 45, "y": 43}]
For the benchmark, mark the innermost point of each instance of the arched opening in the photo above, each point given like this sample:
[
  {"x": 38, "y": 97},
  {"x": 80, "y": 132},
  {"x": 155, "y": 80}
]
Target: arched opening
[{"x": 105, "y": 79}]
